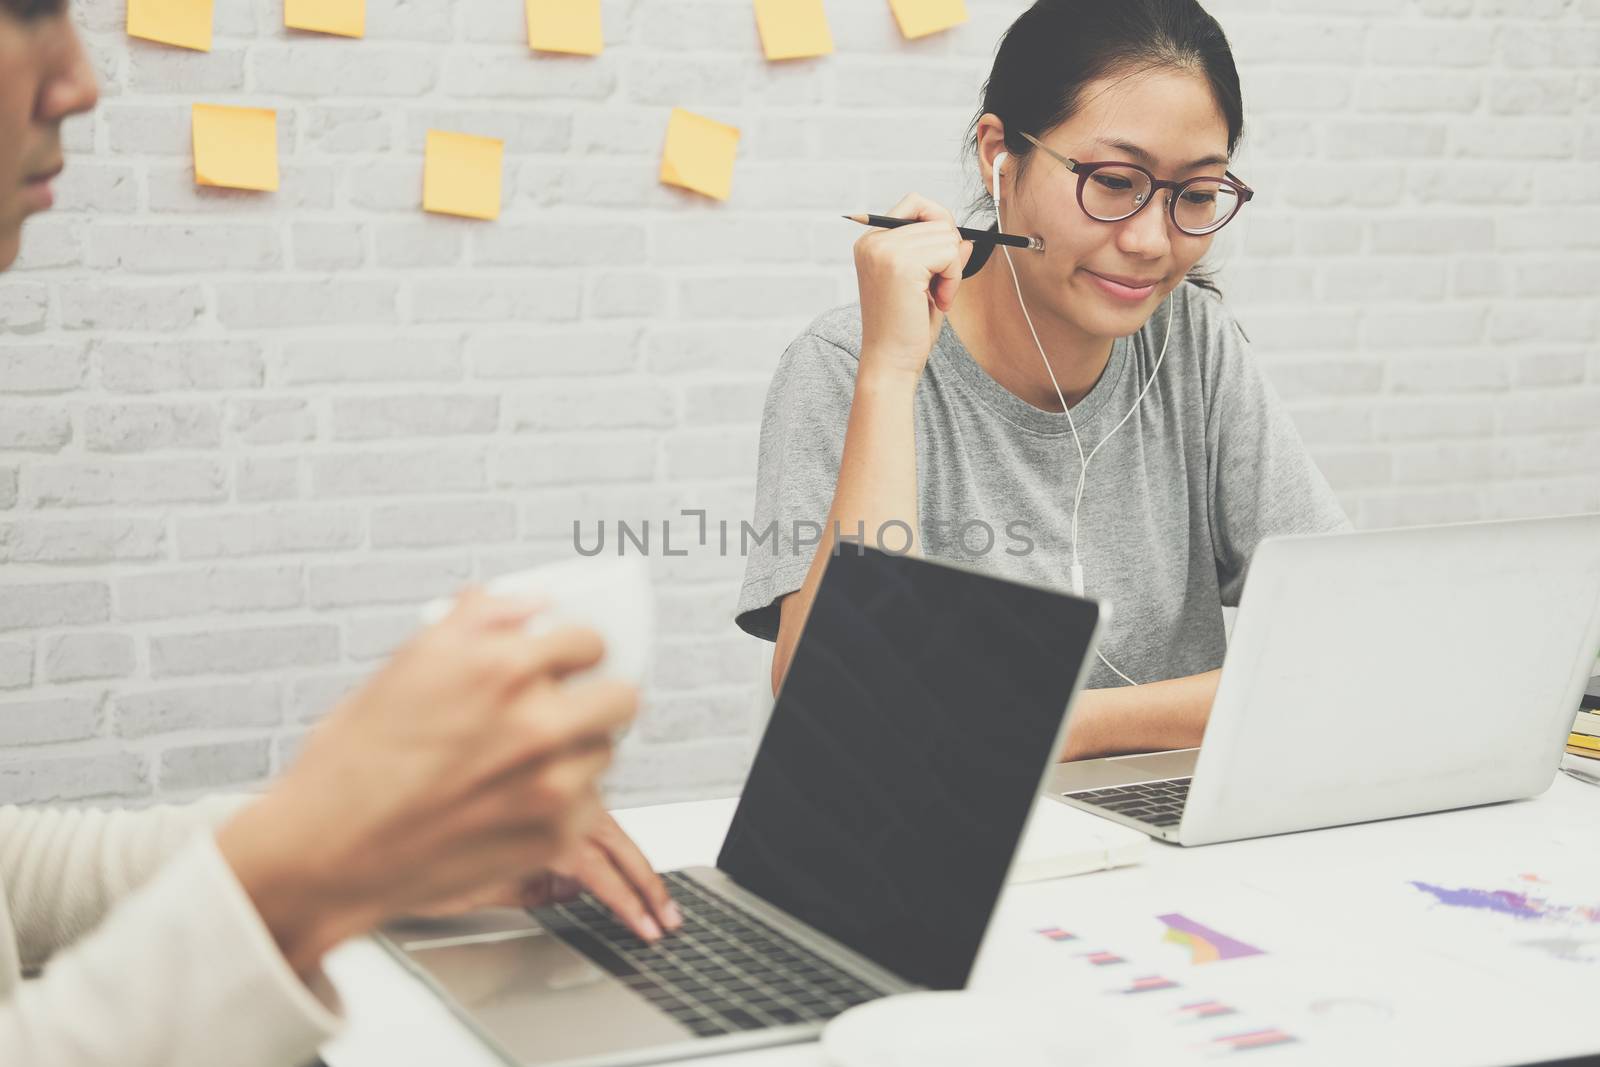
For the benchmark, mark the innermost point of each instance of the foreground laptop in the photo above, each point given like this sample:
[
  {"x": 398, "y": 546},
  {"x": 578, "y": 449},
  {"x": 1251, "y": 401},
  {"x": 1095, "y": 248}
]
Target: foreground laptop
[
  {"x": 1373, "y": 675},
  {"x": 911, "y": 734}
]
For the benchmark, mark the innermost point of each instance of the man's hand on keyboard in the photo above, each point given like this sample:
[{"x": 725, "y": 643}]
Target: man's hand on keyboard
[
  {"x": 610, "y": 866},
  {"x": 605, "y": 863}
]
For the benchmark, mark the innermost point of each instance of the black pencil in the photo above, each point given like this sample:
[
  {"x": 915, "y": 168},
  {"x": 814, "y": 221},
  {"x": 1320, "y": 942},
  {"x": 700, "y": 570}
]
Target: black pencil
[{"x": 977, "y": 236}]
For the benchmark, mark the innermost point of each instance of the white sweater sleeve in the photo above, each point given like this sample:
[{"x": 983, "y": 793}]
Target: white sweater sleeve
[
  {"x": 63, "y": 871},
  {"x": 183, "y": 973}
]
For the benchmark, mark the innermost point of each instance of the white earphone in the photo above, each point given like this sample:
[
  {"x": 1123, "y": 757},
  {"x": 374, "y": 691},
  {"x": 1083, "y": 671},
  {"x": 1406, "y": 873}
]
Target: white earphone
[{"x": 1083, "y": 461}]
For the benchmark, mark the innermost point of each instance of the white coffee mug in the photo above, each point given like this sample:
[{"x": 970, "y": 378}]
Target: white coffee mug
[{"x": 610, "y": 594}]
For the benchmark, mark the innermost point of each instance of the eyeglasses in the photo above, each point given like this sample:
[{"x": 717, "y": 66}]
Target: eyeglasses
[{"x": 1113, "y": 191}]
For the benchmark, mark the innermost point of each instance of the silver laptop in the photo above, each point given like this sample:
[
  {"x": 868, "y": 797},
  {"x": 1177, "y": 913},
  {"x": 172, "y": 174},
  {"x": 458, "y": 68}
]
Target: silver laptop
[
  {"x": 1373, "y": 675},
  {"x": 913, "y": 730}
]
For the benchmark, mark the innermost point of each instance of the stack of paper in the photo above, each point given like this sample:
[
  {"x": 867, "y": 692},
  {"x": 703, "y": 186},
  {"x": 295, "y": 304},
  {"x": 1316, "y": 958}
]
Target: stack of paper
[
  {"x": 1584, "y": 741},
  {"x": 1063, "y": 841}
]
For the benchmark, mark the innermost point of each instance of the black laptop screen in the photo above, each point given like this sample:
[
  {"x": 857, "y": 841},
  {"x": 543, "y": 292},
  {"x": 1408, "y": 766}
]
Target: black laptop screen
[{"x": 903, "y": 754}]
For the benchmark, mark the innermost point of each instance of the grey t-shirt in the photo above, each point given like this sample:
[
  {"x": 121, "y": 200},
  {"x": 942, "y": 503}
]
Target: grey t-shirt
[{"x": 1174, "y": 506}]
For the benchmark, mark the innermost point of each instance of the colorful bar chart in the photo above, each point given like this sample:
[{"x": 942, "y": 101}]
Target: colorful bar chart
[
  {"x": 1150, "y": 983},
  {"x": 1196, "y": 1014},
  {"x": 1251, "y": 1040},
  {"x": 1207, "y": 1009}
]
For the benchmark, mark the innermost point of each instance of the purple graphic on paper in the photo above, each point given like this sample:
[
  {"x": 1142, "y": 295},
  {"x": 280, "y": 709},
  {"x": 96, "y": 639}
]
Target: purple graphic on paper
[{"x": 1205, "y": 944}]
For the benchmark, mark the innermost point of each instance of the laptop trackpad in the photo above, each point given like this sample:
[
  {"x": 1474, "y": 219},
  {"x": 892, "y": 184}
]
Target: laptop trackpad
[{"x": 540, "y": 999}]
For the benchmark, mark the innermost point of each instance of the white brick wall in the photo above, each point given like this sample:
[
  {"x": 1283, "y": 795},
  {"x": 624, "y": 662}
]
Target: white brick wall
[{"x": 242, "y": 435}]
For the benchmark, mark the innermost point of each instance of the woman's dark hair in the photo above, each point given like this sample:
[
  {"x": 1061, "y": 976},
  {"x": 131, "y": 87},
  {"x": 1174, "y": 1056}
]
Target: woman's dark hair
[{"x": 1058, "y": 47}]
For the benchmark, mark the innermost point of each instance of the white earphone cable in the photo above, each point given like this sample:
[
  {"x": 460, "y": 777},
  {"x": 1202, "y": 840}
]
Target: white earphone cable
[{"x": 1083, "y": 461}]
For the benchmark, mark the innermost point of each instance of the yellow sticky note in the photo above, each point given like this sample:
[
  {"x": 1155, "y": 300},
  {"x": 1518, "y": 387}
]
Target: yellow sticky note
[
  {"x": 186, "y": 23},
  {"x": 793, "y": 29},
  {"x": 345, "y": 18},
  {"x": 918, "y": 18},
  {"x": 235, "y": 147},
  {"x": 462, "y": 175},
  {"x": 699, "y": 154},
  {"x": 565, "y": 26}
]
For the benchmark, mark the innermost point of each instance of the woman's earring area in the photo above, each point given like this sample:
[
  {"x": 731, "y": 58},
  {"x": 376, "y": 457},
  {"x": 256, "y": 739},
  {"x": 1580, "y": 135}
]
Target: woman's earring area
[{"x": 1035, "y": 242}]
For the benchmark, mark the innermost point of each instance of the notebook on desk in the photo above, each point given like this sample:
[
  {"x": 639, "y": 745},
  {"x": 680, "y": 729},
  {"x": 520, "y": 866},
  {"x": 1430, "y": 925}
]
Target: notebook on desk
[
  {"x": 1591, "y": 695},
  {"x": 1063, "y": 841},
  {"x": 1583, "y": 744},
  {"x": 1059, "y": 841}
]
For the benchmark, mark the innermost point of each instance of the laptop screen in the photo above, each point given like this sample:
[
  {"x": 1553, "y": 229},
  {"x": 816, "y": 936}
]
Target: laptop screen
[{"x": 904, "y": 751}]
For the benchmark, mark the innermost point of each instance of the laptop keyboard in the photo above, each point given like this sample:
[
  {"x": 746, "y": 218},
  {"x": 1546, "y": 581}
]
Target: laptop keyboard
[
  {"x": 1157, "y": 803},
  {"x": 722, "y": 972}
]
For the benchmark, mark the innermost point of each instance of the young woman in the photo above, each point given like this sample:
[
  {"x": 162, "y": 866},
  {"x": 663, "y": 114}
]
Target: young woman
[{"x": 1085, "y": 416}]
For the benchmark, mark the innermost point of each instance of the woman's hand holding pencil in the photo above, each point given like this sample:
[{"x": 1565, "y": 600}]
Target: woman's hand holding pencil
[{"x": 908, "y": 275}]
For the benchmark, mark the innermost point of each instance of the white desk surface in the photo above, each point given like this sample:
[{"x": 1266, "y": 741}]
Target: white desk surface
[{"x": 1465, "y": 938}]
